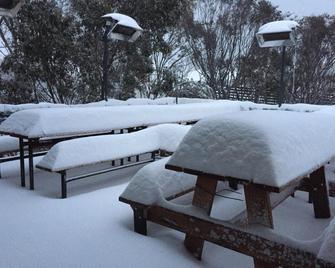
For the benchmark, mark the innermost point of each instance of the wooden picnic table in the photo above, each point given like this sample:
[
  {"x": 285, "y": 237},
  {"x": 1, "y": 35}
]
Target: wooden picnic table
[{"x": 258, "y": 201}]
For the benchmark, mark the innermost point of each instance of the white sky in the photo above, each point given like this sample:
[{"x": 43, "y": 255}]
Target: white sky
[{"x": 306, "y": 7}]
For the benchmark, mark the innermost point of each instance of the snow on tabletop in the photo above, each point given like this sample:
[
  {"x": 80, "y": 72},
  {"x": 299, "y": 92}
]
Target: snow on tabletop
[
  {"x": 265, "y": 147},
  {"x": 11, "y": 108},
  {"x": 153, "y": 182},
  {"x": 278, "y": 26},
  {"x": 91, "y": 150},
  {"x": 73, "y": 121},
  {"x": 8, "y": 144}
]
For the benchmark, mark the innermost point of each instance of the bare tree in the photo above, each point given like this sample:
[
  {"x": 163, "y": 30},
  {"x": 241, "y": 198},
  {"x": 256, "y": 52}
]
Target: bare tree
[
  {"x": 315, "y": 72},
  {"x": 220, "y": 36}
]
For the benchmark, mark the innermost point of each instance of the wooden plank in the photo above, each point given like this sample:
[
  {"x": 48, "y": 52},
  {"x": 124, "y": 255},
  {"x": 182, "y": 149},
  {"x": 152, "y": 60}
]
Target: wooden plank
[
  {"x": 203, "y": 198},
  {"x": 332, "y": 189},
  {"x": 258, "y": 204},
  {"x": 228, "y": 236},
  {"x": 319, "y": 194},
  {"x": 140, "y": 221},
  {"x": 275, "y": 198}
]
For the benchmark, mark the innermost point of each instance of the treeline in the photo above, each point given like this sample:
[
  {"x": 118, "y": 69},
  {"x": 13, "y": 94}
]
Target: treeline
[{"x": 54, "y": 52}]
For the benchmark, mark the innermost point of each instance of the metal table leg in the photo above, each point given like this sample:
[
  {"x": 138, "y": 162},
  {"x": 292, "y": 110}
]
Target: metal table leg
[
  {"x": 31, "y": 164},
  {"x": 22, "y": 169}
]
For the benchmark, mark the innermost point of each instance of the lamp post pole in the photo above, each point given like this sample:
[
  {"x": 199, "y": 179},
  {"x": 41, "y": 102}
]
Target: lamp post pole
[
  {"x": 104, "y": 86},
  {"x": 282, "y": 86}
]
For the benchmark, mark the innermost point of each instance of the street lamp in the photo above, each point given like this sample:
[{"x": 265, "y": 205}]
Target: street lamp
[
  {"x": 278, "y": 34},
  {"x": 117, "y": 27},
  {"x": 9, "y": 8}
]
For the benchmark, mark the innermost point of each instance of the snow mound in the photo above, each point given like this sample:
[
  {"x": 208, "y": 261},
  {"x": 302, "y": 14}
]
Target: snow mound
[
  {"x": 278, "y": 26},
  {"x": 92, "y": 150},
  {"x": 8, "y": 144},
  {"x": 153, "y": 182},
  {"x": 265, "y": 147},
  {"x": 76, "y": 121}
]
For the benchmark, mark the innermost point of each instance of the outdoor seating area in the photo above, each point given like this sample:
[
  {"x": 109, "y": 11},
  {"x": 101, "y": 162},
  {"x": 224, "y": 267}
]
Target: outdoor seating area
[
  {"x": 237, "y": 153},
  {"x": 180, "y": 133}
]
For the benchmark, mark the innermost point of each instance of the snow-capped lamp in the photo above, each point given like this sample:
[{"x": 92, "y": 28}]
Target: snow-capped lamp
[
  {"x": 122, "y": 27},
  {"x": 9, "y": 8},
  {"x": 117, "y": 27},
  {"x": 278, "y": 34}
]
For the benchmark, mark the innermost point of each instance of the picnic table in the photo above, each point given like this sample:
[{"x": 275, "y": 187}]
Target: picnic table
[
  {"x": 38, "y": 128},
  {"x": 272, "y": 155}
]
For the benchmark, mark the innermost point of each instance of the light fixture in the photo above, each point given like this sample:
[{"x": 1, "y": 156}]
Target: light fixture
[
  {"x": 278, "y": 34},
  {"x": 117, "y": 27}
]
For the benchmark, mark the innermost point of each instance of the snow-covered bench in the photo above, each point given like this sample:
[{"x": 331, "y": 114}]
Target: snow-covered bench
[
  {"x": 271, "y": 153},
  {"x": 8, "y": 146},
  {"x": 81, "y": 152}
]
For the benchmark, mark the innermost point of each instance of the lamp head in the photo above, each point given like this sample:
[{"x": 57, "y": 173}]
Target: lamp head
[
  {"x": 277, "y": 33},
  {"x": 125, "y": 28}
]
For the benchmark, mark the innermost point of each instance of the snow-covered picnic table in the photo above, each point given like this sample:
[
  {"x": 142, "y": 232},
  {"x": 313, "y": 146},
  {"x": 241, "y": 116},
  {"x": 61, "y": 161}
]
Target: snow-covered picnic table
[
  {"x": 60, "y": 122},
  {"x": 52, "y": 124},
  {"x": 266, "y": 151}
]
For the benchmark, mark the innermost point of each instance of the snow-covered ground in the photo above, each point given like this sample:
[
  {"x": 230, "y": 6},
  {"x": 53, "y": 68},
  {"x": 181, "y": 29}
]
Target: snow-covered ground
[{"x": 92, "y": 228}]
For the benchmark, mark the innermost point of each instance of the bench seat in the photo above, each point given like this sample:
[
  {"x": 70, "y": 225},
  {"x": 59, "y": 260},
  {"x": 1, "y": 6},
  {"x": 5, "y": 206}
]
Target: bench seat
[{"x": 101, "y": 149}]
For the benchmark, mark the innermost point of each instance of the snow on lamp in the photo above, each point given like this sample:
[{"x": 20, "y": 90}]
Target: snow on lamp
[{"x": 125, "y": 28}]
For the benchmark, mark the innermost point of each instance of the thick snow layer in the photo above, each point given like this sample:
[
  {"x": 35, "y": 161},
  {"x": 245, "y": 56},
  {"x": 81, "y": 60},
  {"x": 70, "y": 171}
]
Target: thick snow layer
[
  {"x": 8, "y": 144},
  {"x": 92, "y": 150},
  {"x": 124, "y": 20},
  {"x": 266, "y": 147},
  {"x": 73, "y": 121},
  {"x": 328, "y": 246},
  {"x": 153, "y": 182},
  {"x": 12, "y": 108},
  {"x": 278, "y": 26}
]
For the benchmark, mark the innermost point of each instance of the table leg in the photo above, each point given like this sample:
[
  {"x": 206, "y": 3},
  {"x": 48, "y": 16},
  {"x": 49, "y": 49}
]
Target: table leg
[
  {"x": 22, "y": 169},
  {"x": 259, "y": 212},
  {"x": 319, "y": 194},
  {"x": 258, "y": 204},
  {"x": 31, "y": 164},
  {"x": 203, "y": 198}
]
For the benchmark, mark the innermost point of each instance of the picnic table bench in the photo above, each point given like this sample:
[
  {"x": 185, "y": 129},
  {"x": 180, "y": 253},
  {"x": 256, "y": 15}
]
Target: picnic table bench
[
  {"x": 271, "y": 154},
  {"x": 89, "y": 151}
]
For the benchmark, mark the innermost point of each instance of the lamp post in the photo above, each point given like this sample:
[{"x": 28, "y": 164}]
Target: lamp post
[
  {"x": 278, "y": 34},
  {"x": 117, "y": 27}
]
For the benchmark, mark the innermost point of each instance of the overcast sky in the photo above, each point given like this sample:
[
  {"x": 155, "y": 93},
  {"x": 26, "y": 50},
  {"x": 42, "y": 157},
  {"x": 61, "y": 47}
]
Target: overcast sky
[{"x": 306, "y": 7}]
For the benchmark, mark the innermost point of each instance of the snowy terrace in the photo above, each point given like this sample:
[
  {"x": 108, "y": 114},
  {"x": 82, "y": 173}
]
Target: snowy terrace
[{"x": 93, "y": 229}]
